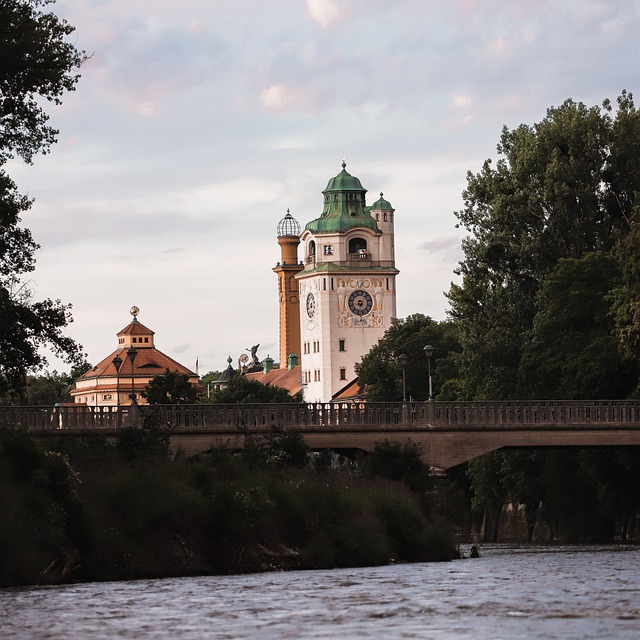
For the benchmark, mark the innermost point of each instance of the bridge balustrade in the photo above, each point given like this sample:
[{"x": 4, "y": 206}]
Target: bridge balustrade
[{"x": 367, "y": 416}]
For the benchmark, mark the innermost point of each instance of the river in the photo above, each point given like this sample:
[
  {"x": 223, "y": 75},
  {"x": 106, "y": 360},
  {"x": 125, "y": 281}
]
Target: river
[{"x": 509, "y": 592}]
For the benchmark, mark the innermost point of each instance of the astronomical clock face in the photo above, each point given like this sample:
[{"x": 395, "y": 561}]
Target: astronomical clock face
[
  {"x": 311, "y": 305},
  {"x": 360, "y": 302}
]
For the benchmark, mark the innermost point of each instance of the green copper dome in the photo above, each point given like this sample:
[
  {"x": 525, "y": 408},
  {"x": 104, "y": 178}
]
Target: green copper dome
[
  {"x": 344, "y": 182},
  {"x": 381, "y": 205},
  {"x": 344, "y": 206}
]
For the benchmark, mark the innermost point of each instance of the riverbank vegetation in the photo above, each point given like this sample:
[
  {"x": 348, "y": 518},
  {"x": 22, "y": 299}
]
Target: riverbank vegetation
[{"x": 93, "y": 509}]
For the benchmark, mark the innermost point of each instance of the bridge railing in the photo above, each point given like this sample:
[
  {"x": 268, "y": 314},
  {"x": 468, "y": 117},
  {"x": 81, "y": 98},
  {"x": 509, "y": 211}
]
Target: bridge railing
[
  {"x": 536, "y": 413},
  {"x": 370, "y": 415}
]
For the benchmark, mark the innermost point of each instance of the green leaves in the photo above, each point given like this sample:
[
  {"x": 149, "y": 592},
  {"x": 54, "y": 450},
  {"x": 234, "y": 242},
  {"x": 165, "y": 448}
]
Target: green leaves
[
  {"x": 380, "y": 374},
  {"x": 170, "y": 387},
  {"x": 530, "y": 324},
  {"x": 243, "y": 390},
  {"x": 37, "y": 63}
]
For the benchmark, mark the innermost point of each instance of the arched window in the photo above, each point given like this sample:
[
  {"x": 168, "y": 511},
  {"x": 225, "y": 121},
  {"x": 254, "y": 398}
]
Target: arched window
[
  {"x": 312, "y": 248},
  {"x": 358, "y": 247}
]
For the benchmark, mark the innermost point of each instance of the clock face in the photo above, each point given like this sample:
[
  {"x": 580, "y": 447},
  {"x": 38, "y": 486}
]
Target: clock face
[
  {"x": 311, "y": 305},
  {"x": 360, "y": 302}
]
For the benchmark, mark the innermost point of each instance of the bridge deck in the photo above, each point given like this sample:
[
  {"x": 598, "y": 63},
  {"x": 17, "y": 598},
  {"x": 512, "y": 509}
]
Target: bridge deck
[{"x": 448, "y": 432}]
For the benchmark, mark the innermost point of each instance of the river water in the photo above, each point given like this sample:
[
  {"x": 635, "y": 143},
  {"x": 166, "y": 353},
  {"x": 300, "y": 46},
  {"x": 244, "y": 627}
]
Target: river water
[{"x": 509, "y": 592}]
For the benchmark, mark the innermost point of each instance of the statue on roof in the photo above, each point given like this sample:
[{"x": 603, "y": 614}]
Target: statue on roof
[{"x": 254, "y": 357}]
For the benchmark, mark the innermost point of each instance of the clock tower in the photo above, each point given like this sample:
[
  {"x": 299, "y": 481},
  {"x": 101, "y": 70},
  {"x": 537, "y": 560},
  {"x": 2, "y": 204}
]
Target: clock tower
[{"x": 347, "y": 287}]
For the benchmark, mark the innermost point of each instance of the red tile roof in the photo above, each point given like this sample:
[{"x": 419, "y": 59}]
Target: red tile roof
[
  {"x": 149, "y": 362},
  {"x": 135, "y": 329},
  {"x": 289, "y": 379}
]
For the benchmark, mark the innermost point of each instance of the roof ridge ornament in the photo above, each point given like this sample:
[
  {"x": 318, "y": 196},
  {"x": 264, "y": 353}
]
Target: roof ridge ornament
[{"x": 134, "y": 311}]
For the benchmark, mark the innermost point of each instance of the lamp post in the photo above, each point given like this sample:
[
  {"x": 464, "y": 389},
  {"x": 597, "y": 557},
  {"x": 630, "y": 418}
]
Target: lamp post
[
  {"x": 117, "y": 363},
  {"x": 428, "y": 351},
  {"x": 132, "y": 352},
  {"x": 402, "y": 360}
]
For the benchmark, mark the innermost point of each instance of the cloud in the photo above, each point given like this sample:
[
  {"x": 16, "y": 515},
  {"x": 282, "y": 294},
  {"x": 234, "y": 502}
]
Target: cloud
[
  {"x": 279, "y": 97},
  {"x": 196, "y": 124},
  {"x": 460, "y": 100},
  {"x": 324, "y": 11},
  {"x": 446, "y": 249}
]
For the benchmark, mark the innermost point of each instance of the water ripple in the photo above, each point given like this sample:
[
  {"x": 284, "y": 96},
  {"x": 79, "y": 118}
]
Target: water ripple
[{"x": 527, "y": 592}]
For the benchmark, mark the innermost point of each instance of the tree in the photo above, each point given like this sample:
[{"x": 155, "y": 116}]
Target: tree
[
  {"x": 380, "y": 374},
  {"x": 572, "y": 352},
  {"x": 207, "y": 381},
  {"x": 247, "y": 391},
  {"x": 37, "y": 65},
  {"x": 401, "y": 462},
  {"x": 564, "y": 188},
  {"x": 170, "y": 387},
  {"x": 51, "y": 388}
]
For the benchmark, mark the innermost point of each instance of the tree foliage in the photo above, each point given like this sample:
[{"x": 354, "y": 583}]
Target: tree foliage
[
  {"x": 50, "y": 388},
  {"x": 380, "y": 373},
  {"x": 577, "y": 495},
  {"x": 170, "y": 387},
  {"x": 401, "y": 462},
  {"x": 38, "y": 66},
  {"x": 247, "y": 391},
  {"x": 555, "y": 207}
]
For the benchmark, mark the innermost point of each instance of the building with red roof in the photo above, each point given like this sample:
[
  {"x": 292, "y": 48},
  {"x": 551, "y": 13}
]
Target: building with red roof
[{"x": 128, "y": 370}]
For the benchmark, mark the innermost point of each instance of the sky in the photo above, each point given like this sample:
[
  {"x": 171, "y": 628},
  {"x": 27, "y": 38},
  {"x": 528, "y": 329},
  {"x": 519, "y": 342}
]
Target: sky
[{"x": 197, "y": 124}]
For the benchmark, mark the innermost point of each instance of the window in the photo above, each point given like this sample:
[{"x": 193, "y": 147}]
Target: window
[
  {"x": 384, "y": 217},
  {"x": 358, "y": 246},
  {"x": 341, "y": 345},
  {"x": 146, "y": 339},
  {"x": 312, "y": 248},
  {"x": 107, "y": 396},
  {"x": 343, "y": 373},
  {"x": 328, "y": 250}
]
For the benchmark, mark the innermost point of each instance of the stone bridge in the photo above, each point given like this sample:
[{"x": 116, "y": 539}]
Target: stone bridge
[{"x": 448, "y": 433}]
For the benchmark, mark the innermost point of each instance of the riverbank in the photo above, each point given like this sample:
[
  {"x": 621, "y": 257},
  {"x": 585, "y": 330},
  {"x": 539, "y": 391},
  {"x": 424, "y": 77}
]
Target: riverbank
[{"x": 96, "y": 510}]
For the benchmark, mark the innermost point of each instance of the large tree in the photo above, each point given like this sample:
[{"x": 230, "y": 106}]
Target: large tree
[
  {"x": 243, "y": 390},
  {"x": 563, "y": 189},
  {"x": 170, "y": 387},
  {"x": 38, "y": 66},
  {"x": 380, "y": 372}
]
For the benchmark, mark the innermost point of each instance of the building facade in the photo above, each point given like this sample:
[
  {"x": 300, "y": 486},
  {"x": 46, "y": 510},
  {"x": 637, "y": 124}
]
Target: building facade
[
  {"x": 346, "y": 286},
  {"x": 120, "y": 378}
]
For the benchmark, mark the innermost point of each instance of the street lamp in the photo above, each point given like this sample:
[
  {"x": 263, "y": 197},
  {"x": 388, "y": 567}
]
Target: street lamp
[
  {"x": 402, "y": 360},
  {"x": 132, "y": 352},
  {"x": 428, "y": 351},
  {"x": 117, "y": 363}
]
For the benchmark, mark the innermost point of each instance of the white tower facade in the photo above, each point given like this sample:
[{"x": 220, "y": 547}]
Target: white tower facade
[{"x": 347, "y": 286}]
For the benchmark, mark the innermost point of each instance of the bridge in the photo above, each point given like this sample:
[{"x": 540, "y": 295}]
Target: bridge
[{"x": 448, "y": 433}]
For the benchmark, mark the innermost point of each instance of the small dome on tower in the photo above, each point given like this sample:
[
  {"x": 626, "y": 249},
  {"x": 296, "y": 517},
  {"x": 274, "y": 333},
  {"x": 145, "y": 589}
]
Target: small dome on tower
[
  {"x": 381, "y": 204},
  {"x": 288, "y": 226}
]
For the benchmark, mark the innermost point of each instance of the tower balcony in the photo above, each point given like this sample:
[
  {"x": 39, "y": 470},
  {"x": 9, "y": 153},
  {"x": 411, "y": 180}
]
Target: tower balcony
[{"x": 311, "y": 262}]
